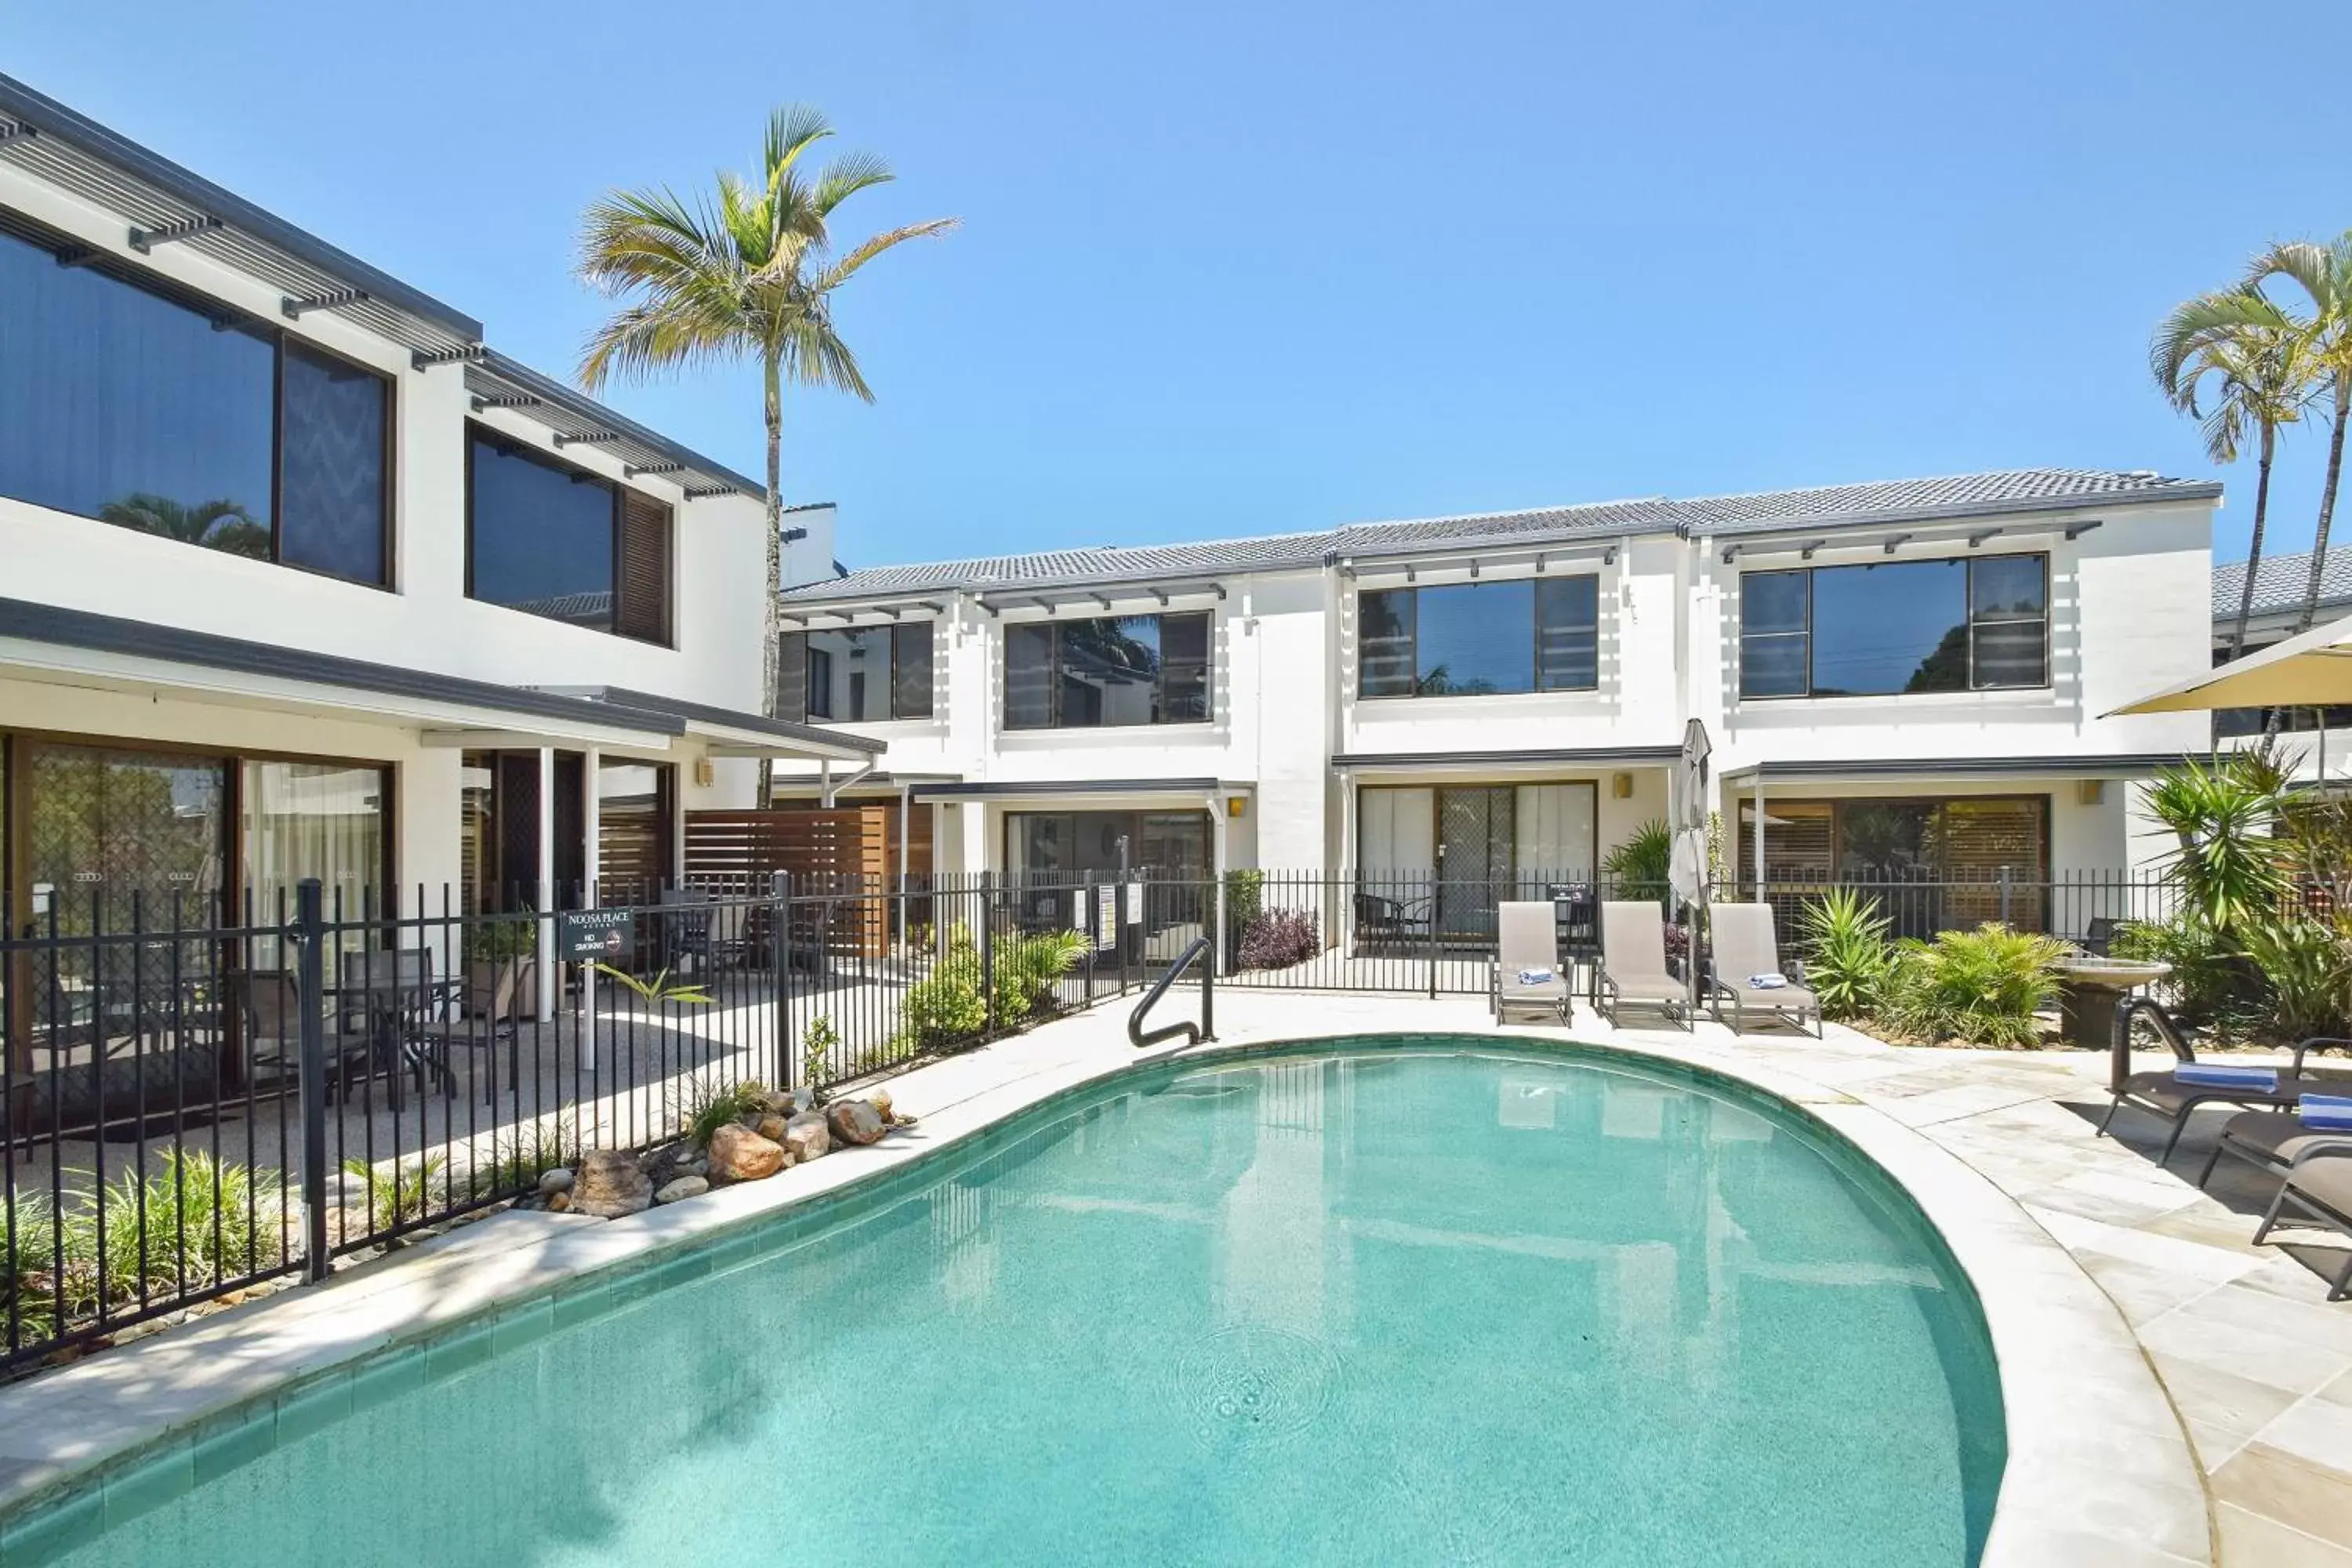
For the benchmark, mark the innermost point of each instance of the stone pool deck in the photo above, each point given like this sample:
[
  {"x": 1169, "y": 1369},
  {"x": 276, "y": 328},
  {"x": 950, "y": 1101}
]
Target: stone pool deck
[{"x": 2176, "y": 1396}]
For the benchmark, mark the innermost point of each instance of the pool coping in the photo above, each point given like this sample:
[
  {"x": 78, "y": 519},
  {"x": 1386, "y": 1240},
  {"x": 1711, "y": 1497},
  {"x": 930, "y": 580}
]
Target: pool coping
[{"x": 2098, "y": 1465}]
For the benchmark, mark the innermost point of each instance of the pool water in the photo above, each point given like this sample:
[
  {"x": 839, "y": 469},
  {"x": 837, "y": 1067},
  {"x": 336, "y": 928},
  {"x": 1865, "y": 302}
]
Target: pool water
[{"x": 1408, "y": 1301}]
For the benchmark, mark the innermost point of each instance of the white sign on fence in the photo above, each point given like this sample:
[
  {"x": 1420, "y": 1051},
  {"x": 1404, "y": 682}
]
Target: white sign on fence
[
  {"x": 1135, "y": 903},
  {"x": 1106, "y": 917}
]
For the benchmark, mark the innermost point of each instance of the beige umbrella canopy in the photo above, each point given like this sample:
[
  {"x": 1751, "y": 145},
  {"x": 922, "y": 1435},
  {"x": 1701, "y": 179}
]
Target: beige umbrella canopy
[{"x": 2313, "y": 670}]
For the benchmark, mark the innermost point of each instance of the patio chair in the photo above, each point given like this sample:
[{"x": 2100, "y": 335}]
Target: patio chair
[
  {"x": 2163, "y": 1096},
  {"x": 2275, "y": 1141},
  {"x": 1383, "y": 921},
  {"x": 404, "y": 1003},
  {"x": 1632, "y": 968},
  {"x": 2099, "y": 936},
  {"x": 1526, "y": 941},
  {"x": 1746, "y": 947},
  {"x": 2318, "y": 1190},
  {"x": 269, "y": 1007}
]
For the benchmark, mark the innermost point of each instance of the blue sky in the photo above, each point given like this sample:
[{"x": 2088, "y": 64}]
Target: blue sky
[{"x": 1241, "y": 268}]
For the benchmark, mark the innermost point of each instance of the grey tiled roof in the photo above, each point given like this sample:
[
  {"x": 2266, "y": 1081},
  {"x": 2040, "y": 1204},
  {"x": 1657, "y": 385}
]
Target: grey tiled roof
[
  {"x": 2281, "y": 583},
  {"x": 1964, "y": 494}
]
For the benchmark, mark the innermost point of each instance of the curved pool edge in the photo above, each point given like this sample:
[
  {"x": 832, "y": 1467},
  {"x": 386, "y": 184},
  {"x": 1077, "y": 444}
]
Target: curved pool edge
[{"x": 2098, "y": 1465}]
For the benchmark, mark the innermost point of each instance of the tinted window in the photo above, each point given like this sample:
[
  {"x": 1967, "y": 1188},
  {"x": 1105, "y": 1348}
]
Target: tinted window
[
  {"x": 1111, "y": 671},
  {"x": 1567, "y": 634},
  {"x": 1384, "y": 642},
  {"x": 1108, "y": 670},
  {"x": 1474, "y": 639},
  {"x": 1029, "y": 676},
  {"x": 1907, "y": 627},
  {"x": 849, "y": 675},
  {"x": 1883, "y": 629},
  {"x": 332, "y": 492},
  {"x": 541, "y": 537},
  {"x": 2008, "y": 602},
  {"x": 120, "y": 404},
  {"x": 911, "y": 671}
]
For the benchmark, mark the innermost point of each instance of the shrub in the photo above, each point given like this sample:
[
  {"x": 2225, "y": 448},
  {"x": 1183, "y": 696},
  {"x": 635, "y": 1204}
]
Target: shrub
[
  {"x": 706, "y": 1104},
  {"x": 1980, "y": 986},
  {"x": 1850, "y": 956},
  {"x": 2228, "y": 864},
  {"x": 946, "y": 1005},
  {"x": 1643, "y": 865},
  {"x": 520, "y": 1159},
  {"x": 2209, "y": 983},
  {"x": 818, "y": 1042},
  {"x": 398, "y": 1194},
  {"x": 1028, "y": 968},
  {"x": 1244, "y": 898},
  {"x": 2306, "y": 976},
  {"x": 1280, "y": 938}
]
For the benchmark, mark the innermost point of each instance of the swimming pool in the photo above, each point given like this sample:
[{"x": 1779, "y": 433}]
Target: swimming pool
[{"x": 1395, "y": 1301}]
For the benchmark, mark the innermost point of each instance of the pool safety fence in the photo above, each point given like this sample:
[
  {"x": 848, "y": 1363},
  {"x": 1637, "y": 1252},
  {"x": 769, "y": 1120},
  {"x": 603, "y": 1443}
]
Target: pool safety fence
[{"x": 207, "y": 1092}]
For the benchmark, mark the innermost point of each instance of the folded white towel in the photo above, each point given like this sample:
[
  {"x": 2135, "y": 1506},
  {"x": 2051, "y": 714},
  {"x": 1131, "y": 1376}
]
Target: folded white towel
[
  {"x": 1536, "y": 977},
  {"x": 1767, "y": 982}
]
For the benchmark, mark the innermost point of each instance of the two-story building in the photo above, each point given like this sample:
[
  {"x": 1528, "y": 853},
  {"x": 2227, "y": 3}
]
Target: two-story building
[
  {"x": 1898, "y": 679},
  {"x": 301, "y": 578}
]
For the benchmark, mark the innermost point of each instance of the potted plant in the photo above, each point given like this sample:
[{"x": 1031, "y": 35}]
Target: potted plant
[{"x": 500, "y": 980}]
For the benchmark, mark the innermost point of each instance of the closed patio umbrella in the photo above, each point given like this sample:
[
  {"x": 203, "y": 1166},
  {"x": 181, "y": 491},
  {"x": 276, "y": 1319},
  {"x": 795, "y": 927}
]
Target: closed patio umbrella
[{"x": 1686, "y": 808}]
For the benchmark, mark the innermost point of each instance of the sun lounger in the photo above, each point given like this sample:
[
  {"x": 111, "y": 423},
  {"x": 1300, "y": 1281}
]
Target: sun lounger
[
  {"x": 2318, "y": 1190},
  {"x": 1527, "y": 977},
  {"x": 1632, "y": 970},
  {"x": 2162, "y": 1094},
  {"x": 2274, "y": 1140},
  {"x": 1747, "y": 961}
]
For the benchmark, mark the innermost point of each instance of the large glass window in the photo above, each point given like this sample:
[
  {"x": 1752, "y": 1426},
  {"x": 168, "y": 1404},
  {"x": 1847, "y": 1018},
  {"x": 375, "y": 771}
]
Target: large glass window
[
  {"x": 1904, "y": 626},
  {"x": 1478, "y": 639},
  {"x": 1930, "y": 864},
  {"x": 1108, "y": 672},
  {"x": 857, "y": 674},
  {"x": 155, "y": 410},
  {"x": 548, "y": 538}
]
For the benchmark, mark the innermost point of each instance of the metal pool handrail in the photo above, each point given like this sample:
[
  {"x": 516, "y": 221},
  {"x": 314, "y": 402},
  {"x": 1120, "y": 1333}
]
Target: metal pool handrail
[{"x": 1195, "y": 1033}]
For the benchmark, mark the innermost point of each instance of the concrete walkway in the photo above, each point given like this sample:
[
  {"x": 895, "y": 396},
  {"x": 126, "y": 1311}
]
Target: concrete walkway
[{"x": 2258, "y": 1367}]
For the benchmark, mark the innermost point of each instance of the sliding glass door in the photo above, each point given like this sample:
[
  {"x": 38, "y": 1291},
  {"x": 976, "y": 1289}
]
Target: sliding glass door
[{"x": 1467, "y": 847}]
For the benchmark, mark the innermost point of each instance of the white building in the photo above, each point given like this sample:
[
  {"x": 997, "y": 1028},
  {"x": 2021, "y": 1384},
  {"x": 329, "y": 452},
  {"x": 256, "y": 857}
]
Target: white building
[
  {"x": 1909, "y": 676},
  {"x": 2312, "y": 736},
  {"x": 300, "y": 578}
]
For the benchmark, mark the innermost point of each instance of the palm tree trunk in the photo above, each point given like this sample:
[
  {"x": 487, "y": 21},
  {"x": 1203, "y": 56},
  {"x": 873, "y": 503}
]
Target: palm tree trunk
[
  {"x": 2327, "y": 502},
  {"x": 771, "y": 626},
  {"x": 2254, "y": 551}
]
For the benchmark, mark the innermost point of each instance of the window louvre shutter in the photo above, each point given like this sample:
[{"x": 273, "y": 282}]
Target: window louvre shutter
[
  {"x": 641, "y": 572},
  {"x": 792, "y": 677}
]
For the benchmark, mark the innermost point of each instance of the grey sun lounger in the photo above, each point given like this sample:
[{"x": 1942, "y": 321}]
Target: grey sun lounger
[
  {"x": 2277, "y": 1141},
  {"x": 2161, "y": 1095},
  {"x": 1745, "y": 946},
  {"x": 1527, "y": 939},
  {"x": 1632, "y": 968},
  {"x": 2319, "y": 1192}
]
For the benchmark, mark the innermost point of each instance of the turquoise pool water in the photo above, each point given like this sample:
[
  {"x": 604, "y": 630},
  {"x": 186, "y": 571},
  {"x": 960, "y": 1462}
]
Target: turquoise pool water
[{"x": 1411, "y": 1301}]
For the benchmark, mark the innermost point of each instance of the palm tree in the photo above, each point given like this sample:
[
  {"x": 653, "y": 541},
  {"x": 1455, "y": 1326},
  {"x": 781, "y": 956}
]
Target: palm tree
[
  {"x": 747, "y": 271},
  {"x": 2262, "y": 375},
  {"x": 2324, "y": 272}
]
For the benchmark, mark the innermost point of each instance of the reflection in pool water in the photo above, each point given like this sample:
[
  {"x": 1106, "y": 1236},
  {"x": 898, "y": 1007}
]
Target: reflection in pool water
[{"x": 1398, "y": 1306}]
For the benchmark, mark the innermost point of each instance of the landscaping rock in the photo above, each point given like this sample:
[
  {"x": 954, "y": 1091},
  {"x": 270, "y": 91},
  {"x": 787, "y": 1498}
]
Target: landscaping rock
[
  {"x": 771, "y": 1127},
  {"x": 695, "y": 1168},
  {"x": 806, "y": 1136},
  {"x": 559, "y": 1180},
  {"x": 739, "y": 1154},
  {"x": 608, "y": 1184},
  {"x": 684, "y": 1187},
  {"x": 559, "y": 1202},
  {"x": 854, "y": 1121},
  {"x": 880, "y": 1101}
]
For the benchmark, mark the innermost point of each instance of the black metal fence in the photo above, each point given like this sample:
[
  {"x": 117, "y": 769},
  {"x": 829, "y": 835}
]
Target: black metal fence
[{"x": 195, "y": 1104}]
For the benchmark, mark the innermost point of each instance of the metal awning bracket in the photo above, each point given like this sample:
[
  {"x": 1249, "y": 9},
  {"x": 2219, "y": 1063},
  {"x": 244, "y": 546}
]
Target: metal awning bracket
[
  {"x": 294, "y": 310},
  {"x": 145, "y": 240},
  {"x": 638, "y": 470},
  {"x": 1886, "y": 546},
  {"x": 420, "y": 360},
  {"x": 594, "y": 439},
  {"x": 1806, "y": 553},
  {"x": 2075, "y": 530}
]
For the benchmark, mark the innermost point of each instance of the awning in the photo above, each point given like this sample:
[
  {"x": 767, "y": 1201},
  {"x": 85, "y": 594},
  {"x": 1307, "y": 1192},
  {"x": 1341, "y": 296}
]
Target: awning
[
  {"x": 578, "y": 420},
  {"x": 47, "y": 642},
  {"x": 1472, "y": 762},
  {"x": 999, "y": 789},
  {"x": 1878, "y": 770},
  {"x": 1100, "y": 596}
]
